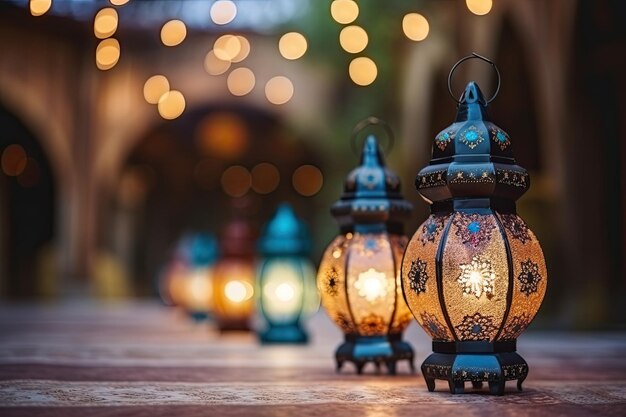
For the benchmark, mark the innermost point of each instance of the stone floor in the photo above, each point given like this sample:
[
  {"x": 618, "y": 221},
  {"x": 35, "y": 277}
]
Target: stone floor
[{"x": 146, "y": 360}]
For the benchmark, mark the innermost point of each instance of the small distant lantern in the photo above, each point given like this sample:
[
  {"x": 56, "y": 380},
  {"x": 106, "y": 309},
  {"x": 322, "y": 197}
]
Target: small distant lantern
[
  {"x": 473, "y": 274},
  {"x": 359, "y": 275},
  {"x": 189, "y": 276},
  {"x": 286, "y": 278},
  {"x": 234, "y": 275}
]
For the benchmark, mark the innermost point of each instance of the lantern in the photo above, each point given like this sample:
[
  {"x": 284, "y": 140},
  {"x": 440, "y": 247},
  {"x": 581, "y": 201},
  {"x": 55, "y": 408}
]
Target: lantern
[
  {"x": 233, "y": 281},
  {"x": 473, "y": 274},
  {"x": 286, "y": 278},
  {"x": 359, "y": 275}
]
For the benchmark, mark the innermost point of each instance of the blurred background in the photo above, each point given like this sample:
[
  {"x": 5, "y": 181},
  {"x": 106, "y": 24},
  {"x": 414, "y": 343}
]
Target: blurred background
[{"x": 125, "y": 125}]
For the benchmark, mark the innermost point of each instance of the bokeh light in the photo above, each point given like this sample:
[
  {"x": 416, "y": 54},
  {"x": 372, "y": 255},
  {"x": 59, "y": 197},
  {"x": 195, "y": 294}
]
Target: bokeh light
[
  {"x": 279, "y": 90},
  {"x": 223, "y": 12},
  {"x": 292, "y": 45},
  {"x": 227, "y": 47},
  {"x": 173, "y": 32},
  {"x": 236, "y": 181},
  {"x": 415, "y": 26},
  {"x": 244, "y": 49},
  {"x": 307, "y": 180},
  {"x": 13, "y": 160},
  {"x": 363, "y": 71},
  {"x": 238, "y": 291},
  {"x": 107, "y": 53},
  {"x": 215, "y": 66},
  {"x": 105, "y": 23},
  {"x": 265, "y": 178},
  {"x": 39, "y": 7},
  {"x": 155, "y": 87},
  {"x": 118, "y": 2},
  {"x": 479, "y": 7},
  {"x": 353, "y": 39},
  {"x": 222, "y": 134},
  {"x": 240, "y": 81},
  {"x": 171, "y": 105},
  {"x": 344, "y": 11}
]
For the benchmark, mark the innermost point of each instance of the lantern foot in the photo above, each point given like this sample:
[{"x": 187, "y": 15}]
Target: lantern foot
[
  {"x": 198, "y": 316},
  {"x": 285, "y": 334},
  {"x": 233, "y": 326},
  {"x": 475, "y": 362},
  {"x": 377, "y": 349}
]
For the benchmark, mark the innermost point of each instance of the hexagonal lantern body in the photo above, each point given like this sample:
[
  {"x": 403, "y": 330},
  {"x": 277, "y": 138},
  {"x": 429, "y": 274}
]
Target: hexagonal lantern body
[
  {"x": 473, "y": 274},
  {"x": 359, "y": 275},
  {"x": 285, "y": 278}
]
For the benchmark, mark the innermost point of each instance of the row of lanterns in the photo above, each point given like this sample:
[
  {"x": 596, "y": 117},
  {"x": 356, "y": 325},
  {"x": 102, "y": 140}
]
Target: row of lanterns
[{"x": 473, "y": 275}]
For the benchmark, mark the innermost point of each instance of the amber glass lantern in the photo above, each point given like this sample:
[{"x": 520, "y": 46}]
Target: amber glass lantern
[
  {"x": 359, "y": 275},
  {"x": 234, "y": 277},
  {"x": 285, "y": 278},
  {"x": 473, "y": 274}
]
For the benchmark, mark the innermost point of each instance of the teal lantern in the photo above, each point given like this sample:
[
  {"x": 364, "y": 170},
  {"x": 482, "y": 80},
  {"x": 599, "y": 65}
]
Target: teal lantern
[{"x": 286, "y": 278}]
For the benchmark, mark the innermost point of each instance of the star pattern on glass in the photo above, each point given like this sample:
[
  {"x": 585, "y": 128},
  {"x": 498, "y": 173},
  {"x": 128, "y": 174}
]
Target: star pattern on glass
[
  {"x": 500, "y": 138},
  {"x": 443, "y": 139},
  {"x": 418, "y": 276},
  {"x": 473, "y": 228},
  {"x": 431, "y": 229},
  {"x": 372, "y": 325},
  {"x": 332, "y": 282},
  {"x": 433, "y": 327},
  {"x": 477, "y": 277},
  {"x": 515, "y": 327},
  {"x": 471, "y": 137},
  {"x": 516, "y": 227},
  {"x": 529, "y": 277},
  {"x": 475, "y": 327}
]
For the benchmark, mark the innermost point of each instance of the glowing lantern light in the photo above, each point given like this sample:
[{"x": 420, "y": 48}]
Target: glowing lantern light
[
  {"x": 359, "y": 275},
  {"x": 286, "y": 278}
]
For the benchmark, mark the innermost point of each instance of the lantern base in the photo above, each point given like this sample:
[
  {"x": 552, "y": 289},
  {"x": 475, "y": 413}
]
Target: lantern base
[
  {"x": 475, "y": 362},
  {"x": 284, "y": 334},
  {"x": 198, "y": 316},
  {"x": 377, "y": 349},
  {"x": 233, "y": 326}
]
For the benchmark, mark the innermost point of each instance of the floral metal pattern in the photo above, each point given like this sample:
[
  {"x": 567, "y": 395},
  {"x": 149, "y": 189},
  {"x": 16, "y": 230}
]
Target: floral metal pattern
[
  {"x": 500, "y": 138},
  {"x": 476, "y": 327},
  {"x": 332, "y": 282},
  {"x": 344, "y": 322},
  {"x": 471, "y": 137},
  {"x": 431, "y": 229},
  {"x": 372, "y": 325},
  {"x": 433, "y": 327},
  {"x": 443, "y": 139},
  {"x": 515, "y": 327},
  {"x": 516, "y": 227},
  {"x": 529, "y": 277},
  {"x": 473, "y": 228},
  {"x": 418, "y": 276},
  {"x": 477, "y": 277}
]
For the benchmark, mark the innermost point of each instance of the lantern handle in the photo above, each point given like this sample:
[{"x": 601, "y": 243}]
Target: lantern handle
[
  {"x": 372, "y": 121},
  {"x": 482, "y": 58}
]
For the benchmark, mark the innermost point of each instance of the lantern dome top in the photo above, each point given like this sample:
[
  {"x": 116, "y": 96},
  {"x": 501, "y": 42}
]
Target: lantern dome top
[
  {"x": 371, "y": 193},
  {"x": 285, "y": 234},
  {"x": 472, "y": 158}
]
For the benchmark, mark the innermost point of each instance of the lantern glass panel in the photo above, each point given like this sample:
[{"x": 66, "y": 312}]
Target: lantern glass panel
[{"x": 234, "y": 289}]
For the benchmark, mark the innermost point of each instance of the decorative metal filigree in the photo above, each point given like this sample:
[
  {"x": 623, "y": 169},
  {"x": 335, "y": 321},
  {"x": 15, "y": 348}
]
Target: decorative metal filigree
[
  {"x": 477, "y": 277},
  {"x": 471, "y": 137},
  {"x": 431, "y": 229},
  {"x": 332, "y": 281},
  {"x": 433, "y": 327},
  {"x": 515, "y": 327},
  {"x": 473, "y": 228},
  {"x": 516, "y": 227},
  {"x": 344, "y": 322},
  {"x": 372, "y": 325},
  {"x": 418, "y": 276},
  {"x": 443, "y": 139},
  {"x": 500, "y": 138},
  {"x": 475, "y": 327},
  {"x": 529, "y": 277}
]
